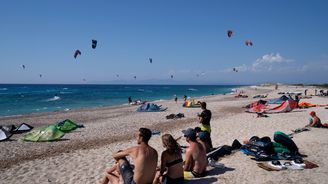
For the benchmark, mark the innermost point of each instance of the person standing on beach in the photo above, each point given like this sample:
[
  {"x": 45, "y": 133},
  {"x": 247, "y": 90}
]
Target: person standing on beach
[
  {"x": 205, "y": 118},
  {"x": 145, "y": 161},
  {"x": 185, "y": 97},
  {"x": 130, "y": 100},
  {"x": 195, "y": 159},
  {"x": 175, "y": 98}
]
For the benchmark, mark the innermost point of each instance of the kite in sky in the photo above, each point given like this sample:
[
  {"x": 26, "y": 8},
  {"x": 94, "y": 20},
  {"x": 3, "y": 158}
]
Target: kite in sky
[
  {"x": 77, "y": 52},
  {"x": 249, "y": 42},
  {"x": 229, "y": 33},
  {"x": 94, "y": 44}
]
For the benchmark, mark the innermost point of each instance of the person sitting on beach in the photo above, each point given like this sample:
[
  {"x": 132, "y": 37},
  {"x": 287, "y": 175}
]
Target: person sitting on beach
[
  {"x": 195, "y": 158},
  {"x": 145, "y": 161},
  {"x": 314, "y": 120},
  {"x": 204, "y": 139},
  {"x": 171, "y": 162}
]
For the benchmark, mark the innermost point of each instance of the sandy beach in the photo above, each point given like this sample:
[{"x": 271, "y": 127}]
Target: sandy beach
[{"x": 83, "y": 155}]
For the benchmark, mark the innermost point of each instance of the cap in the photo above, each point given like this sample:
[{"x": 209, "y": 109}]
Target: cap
[
  {"x": 202, "y": 136},
  {"x": 312, "y": 113},
  {"x": 189, "y": 133}
]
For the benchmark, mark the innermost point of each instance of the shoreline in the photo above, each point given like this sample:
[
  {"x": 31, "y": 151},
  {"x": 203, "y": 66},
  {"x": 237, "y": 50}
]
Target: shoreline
[{"x": 116, "y": 105}]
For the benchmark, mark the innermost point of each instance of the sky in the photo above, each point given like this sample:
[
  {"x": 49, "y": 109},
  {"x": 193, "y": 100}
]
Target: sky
[{"x": 186, "y": 38}]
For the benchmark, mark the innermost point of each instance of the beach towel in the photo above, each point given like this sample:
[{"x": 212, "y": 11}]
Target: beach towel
[
  {"x": 290, "y": 165},
  {"x": 49, "y": 133}
]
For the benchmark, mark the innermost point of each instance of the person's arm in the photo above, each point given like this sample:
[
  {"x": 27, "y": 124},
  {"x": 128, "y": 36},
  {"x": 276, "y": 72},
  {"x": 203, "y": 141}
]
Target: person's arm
[
  {"x": 163, "y": 163},
  {"x": 188, "y": 161},
  {"x": 124, "y": 153},
  {"x": 314, "y": 122}
]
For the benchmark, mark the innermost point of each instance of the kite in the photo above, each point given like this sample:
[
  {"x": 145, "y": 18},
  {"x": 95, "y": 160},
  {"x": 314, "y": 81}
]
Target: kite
[
  {"x": 171, "y": 76},
  {"x": 77, "y": 52},
  {"x": 249, "y": 42},
  {"x": 23, "y": 66},
  {"x": 235, "y": 70},
  {"x": 229, "y": 33},
  {"x": 117, "y": 75},
  {"x": 150, "y": 60},
  {"x": 135, "y": 77},
  {"x": 94, "y": 44},
  {"x": 40, "y": 75}
]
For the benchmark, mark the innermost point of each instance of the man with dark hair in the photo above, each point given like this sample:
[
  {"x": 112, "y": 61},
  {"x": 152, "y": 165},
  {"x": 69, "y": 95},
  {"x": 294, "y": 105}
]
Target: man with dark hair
[
  {"x": 145, "y": 162},
  {"x": 195, "y": 159},
  {"x": 205, "y": 118}
]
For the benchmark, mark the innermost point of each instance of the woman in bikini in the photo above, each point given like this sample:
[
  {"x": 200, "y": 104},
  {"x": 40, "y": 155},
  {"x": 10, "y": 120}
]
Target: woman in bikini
[{"x": 171, "y": 169}]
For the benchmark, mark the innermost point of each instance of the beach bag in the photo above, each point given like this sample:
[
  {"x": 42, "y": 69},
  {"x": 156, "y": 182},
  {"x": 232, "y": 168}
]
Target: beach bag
[{"x": 285, "y": 140}]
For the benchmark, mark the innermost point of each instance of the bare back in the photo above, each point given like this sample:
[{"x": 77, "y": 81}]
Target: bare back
[
  {"x": 197, "y": 161},
  {"x": 145, "y": 162}
]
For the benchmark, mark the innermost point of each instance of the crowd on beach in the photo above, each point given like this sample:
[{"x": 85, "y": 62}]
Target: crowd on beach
[{"x": 173, "y": 168}]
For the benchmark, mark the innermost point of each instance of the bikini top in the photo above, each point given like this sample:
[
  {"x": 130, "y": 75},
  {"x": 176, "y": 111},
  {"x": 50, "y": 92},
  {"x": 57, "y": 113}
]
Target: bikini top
[{"x": 169, "y": 164}]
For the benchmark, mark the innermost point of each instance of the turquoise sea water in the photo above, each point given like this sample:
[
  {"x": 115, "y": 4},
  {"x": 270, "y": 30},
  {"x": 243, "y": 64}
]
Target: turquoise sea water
[{"x": 18, "y": 99}]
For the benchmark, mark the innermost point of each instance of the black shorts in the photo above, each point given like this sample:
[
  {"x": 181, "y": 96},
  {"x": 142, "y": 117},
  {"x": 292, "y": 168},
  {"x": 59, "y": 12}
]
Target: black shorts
[{"x": 127, "y": 172}]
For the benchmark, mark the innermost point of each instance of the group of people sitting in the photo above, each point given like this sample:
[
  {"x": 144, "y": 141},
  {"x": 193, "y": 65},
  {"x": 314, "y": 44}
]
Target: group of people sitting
[{"x": 173, "y": 169}]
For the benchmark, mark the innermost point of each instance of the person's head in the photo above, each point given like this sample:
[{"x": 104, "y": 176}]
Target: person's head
[
  {"x": 312, "y": 113},
  {"x": 189, "y": 134},
  {"x": 170, "y": 144},
  {"x": 144, "y": 135},
  {"x": 202, "y": 136},
  {"x": 197, "y": 129},
  {"x": 203, "y": 105}
]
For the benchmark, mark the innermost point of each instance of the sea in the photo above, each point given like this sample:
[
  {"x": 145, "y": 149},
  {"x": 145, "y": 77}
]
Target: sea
[{"x": 21, "y": 99}]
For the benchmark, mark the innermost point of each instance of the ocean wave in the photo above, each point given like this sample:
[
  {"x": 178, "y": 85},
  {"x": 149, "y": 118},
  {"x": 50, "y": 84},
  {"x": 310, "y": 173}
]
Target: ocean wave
[
  {"x": 55, "y": 98},
  {"x": 142, "y": 90},
  {"x": 192, "y": 89},
  {"x": 65, "y": 88},
  {"x": 62, "y": 92},
  {"x": 3, "y": 89}
]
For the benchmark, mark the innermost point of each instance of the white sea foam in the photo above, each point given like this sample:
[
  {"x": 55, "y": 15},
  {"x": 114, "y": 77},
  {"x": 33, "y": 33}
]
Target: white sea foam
[
  {"x": 142, "y": 90},
  {"x": 192, "y": 89},
  {"x": 3, "y": 89},
  {"x": 65, "y": 88},
  {"x": 55, "y": 98}
]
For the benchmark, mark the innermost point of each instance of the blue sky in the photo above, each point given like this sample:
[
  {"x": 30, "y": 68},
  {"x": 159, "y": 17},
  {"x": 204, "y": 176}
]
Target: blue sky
[{"x": 186, "y": 39}]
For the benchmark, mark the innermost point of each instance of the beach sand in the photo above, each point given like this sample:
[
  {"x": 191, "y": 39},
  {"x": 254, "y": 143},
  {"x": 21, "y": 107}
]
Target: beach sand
[{"x": 83, "y": 155}]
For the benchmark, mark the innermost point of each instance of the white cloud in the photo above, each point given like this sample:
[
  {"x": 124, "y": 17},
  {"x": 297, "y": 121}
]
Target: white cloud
[{"x": 267, "y": 62}]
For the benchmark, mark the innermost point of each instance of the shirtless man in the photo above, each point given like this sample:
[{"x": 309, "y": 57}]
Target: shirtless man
[
  {"x": 195, "y": 159},
  {"x": 145, "y": 162}
]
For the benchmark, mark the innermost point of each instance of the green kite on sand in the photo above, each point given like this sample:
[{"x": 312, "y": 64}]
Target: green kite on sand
[
  {"x": 67, "y": 126},
  {"x": 49, "y": 133}
]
